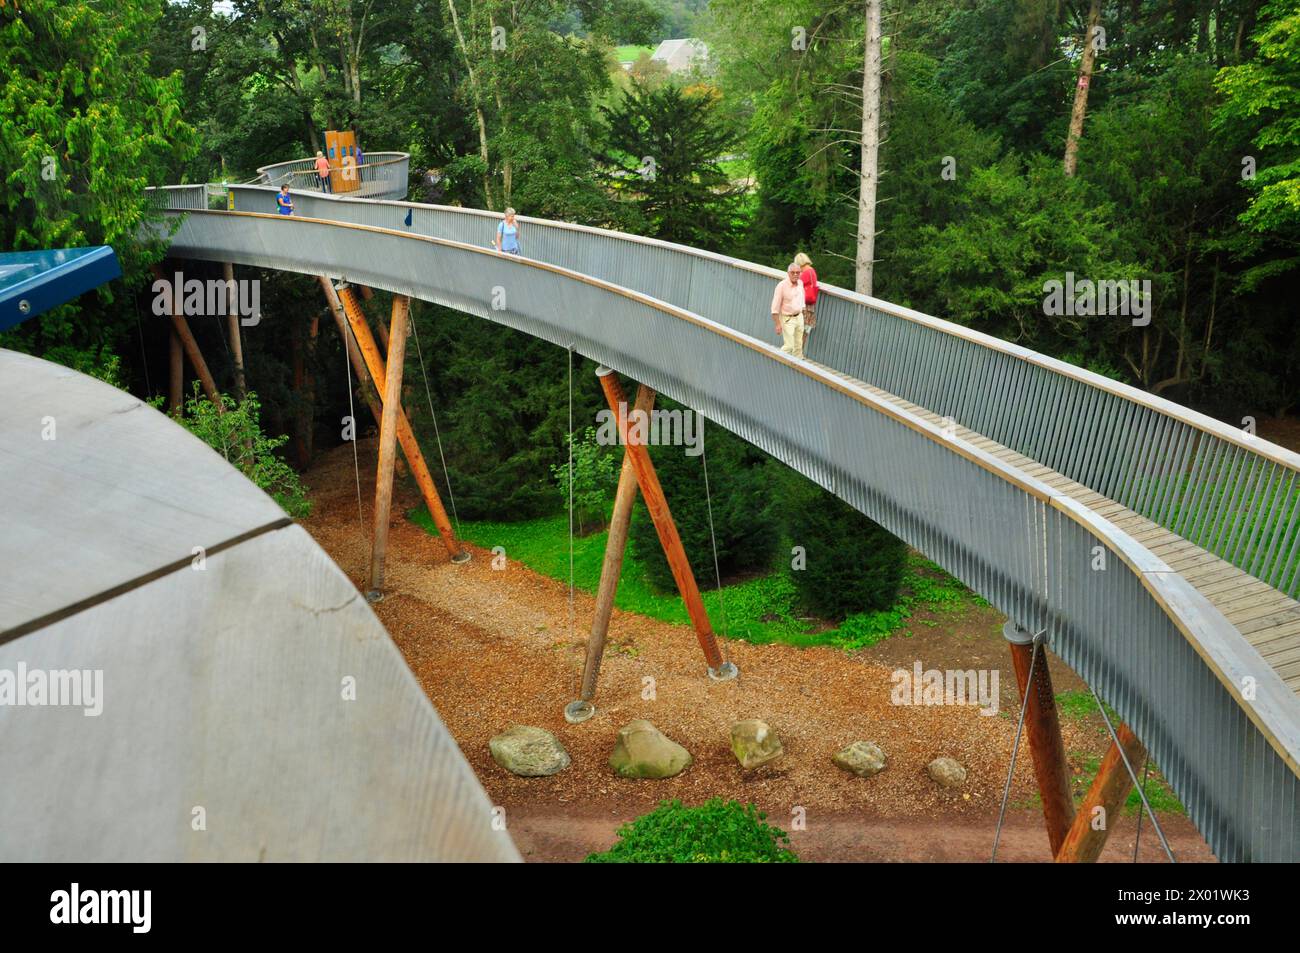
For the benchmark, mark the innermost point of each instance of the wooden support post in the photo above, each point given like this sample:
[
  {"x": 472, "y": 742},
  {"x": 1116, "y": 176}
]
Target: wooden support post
[
  {"x": 1044, "y": 730},
  {"x": 405, "y": 435},
  {"x": 304, "y": 389},
  {"x": 232, "y": 323},
  {"x": 176, "y": 361},
  {"x": 669, "y": 539},
  {"x": 190, "y": 345},
  {"x": 1110, "y": 788},
  {"x": 368, "y": 391},
  {"x": 299, "y": 380},
  {"x": 388, "y": 444},
  {"x": 610, "y": 570}
]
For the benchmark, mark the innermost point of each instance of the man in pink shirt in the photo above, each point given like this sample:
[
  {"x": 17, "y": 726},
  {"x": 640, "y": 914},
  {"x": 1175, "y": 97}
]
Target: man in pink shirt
[
  {"x": 323, "y": 172},
  {"x": 787, "y": 311}
]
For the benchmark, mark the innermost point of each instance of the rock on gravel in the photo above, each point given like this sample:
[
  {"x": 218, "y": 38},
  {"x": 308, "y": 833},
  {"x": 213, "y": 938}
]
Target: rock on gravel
[
  {"x": 643, "y": 751},
  {"x": 947, "y": 771},
  {"x": 754, "y": 743},
  {"x": 529, "y": 752},
  {"x": 863, "y": 758}
]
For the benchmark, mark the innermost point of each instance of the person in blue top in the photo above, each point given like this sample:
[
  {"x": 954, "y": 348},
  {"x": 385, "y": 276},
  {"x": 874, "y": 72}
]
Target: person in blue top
[
  {"x": 508, "y": 234},
  {"x": 284, "y": 201}
]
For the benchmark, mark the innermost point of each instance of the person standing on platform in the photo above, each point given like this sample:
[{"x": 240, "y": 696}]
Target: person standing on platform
[
  {"x": 787, "y": 311},
  {"x": 507, "y": 239},
  {"x": 809, "y": 278},
  {"x": 284, "y": 201},
  {"x": 323, "y": 172}
]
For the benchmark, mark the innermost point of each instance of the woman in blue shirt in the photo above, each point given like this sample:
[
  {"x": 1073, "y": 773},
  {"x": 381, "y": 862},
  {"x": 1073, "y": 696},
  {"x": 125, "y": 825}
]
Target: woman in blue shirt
[
  {"x": 283, "y": 201},
  {"x": 508, "y": 234}
]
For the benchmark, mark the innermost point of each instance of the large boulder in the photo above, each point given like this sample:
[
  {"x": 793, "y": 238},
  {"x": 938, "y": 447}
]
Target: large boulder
[
  {"x": 863, "y": 758},
  {"x": 753, "y": 742},
  {"x": 643, "y": 751},
  {"x": 529, "y": 752},
  {"x": 947, "y": 772}
]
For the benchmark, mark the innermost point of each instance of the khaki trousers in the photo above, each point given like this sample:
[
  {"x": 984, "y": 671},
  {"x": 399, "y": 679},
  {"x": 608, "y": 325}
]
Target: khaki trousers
[{"x": 792, "y": 334}]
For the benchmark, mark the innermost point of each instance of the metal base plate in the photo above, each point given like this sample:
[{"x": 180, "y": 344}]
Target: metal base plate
[
  {"x": 576, "y": 712},
  {"x": 724, "y": 672},
  {"x": 374, "y": 595},
  {"x": 462, "y": 557}
]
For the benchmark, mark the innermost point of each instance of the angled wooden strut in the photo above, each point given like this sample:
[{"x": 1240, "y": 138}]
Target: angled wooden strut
[
  {"x": 388, "y": 443},
  {"x": 404, "y": 434},
  {"x": 232, "y": 324},
  {"x": 1043, "y": 727},
  {"x": 181, "y": 328},
  {"x": 657, "y": 506},
  {"x": 610, "y": 570},
  {"x": 1105, "y": 798},
  {"x": 354, "y": 353}
]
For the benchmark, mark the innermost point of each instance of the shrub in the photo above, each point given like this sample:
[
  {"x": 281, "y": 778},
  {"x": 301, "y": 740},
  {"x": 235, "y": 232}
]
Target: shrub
[
  {"x": 851, "y": 563},
  {"x": 713, "y": 833},
  {"x": 595, "y": 475},
  {"x": 237, "y": 435},
  {"x": 740, "y": 480}
]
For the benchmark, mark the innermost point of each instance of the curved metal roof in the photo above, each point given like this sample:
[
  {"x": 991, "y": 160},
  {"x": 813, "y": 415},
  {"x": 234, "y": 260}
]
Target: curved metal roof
[{"x": 250, "y": 704}]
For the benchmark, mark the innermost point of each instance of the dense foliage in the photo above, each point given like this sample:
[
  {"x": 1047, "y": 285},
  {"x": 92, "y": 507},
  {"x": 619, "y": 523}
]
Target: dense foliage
[
  {"x": 848, "y": 563},
  {"x": 236, "y": 433},
  {"x": 744, "y": 502},
  {"x": 1188, "y": 177},
  {"x": 715, "y": 832}
]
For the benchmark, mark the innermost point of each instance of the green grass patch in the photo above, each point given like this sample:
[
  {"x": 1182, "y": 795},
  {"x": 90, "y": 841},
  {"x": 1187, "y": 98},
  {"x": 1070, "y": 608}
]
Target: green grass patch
[
  {"x": 1159, "y": 795},
  {"x": 629, "y": 53},
  {"x": 759, "y": 610},
  {"x": 1079, "y": 705},
  {"x": 715, "y": 832}
]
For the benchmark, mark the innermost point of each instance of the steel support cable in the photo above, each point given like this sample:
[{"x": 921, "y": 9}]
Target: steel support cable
[
  {"x": 1146, "y": 763},
  {"x": 1015, "y": 747},
  {"x": 1114, "y": 739},
  {"x": 437, "y": 435},
  {"x": 713, "y": 539}
]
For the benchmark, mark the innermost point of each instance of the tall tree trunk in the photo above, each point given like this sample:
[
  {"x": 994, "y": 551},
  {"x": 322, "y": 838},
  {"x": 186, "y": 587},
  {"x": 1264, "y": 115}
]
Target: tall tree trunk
[
  {"x": 478, "y": 105},
  {"x": 1081, "y": 90},
  {"x": 869, "y": 175}
]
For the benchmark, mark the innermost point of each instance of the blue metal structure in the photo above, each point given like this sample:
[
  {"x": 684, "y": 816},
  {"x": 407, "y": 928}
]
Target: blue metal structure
[{"x": 33, "y": 282}]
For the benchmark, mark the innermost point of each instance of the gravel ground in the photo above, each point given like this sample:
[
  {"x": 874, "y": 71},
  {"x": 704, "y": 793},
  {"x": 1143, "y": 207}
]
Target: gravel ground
[{"x": 495, "y": 648}]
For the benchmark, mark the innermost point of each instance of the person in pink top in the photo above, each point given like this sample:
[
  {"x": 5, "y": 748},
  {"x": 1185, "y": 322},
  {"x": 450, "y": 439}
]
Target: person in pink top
[
  {"x": 809, "y": 279},
  {"x": 323, "y": 172},
  {"x": 787, "y": 311}
]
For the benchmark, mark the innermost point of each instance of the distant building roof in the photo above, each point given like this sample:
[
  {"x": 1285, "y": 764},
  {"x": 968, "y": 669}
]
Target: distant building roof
[{"x": 680, "y": 55}]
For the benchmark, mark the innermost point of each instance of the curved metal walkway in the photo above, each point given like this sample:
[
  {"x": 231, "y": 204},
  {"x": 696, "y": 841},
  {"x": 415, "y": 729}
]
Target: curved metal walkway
[{"x": 1019, "y": 474}]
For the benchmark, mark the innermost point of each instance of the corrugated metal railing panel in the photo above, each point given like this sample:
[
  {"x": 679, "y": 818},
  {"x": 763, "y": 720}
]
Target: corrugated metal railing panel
[
  {"x": 1167, "y": 661},
  {"x": 1230, "y": 494},
  {"x": 381, "y": 175}
]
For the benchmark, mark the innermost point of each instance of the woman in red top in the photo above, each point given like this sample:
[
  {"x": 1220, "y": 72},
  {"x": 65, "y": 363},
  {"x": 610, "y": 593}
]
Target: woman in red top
[{"x": 809, "y": 279}]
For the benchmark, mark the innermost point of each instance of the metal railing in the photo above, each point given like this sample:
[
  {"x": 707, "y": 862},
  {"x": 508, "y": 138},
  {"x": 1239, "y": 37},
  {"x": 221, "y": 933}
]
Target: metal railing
[
  {"x": 1233, "y": 494},
  {"x": 1152, "y": 646},
  {"x": 381, "y": 175}
]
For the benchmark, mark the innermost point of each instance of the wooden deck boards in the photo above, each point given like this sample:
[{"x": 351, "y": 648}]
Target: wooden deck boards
[{"x": 1268, "y": 619}]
